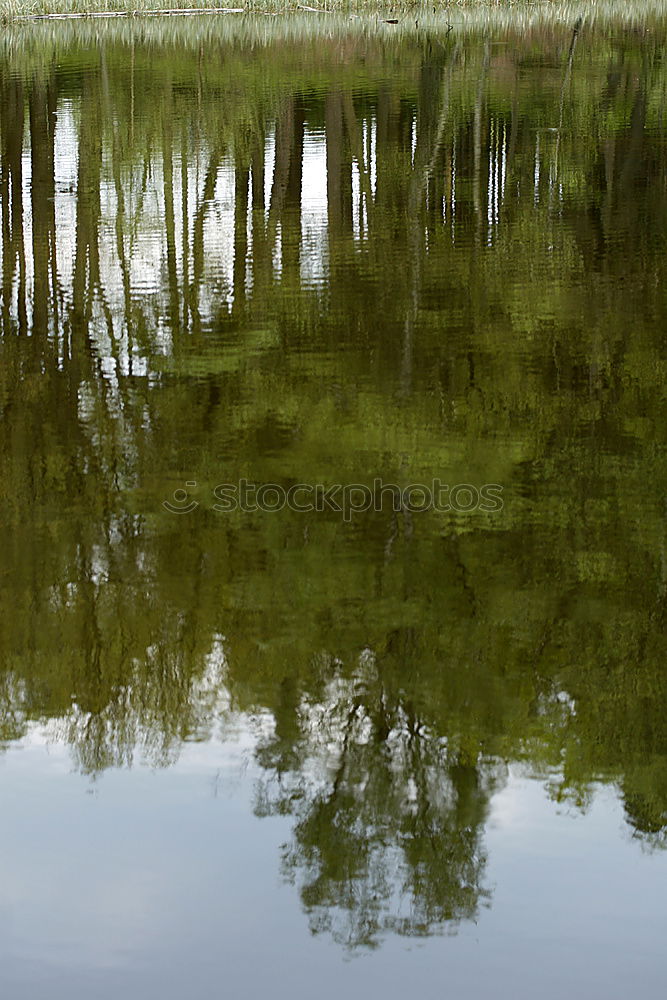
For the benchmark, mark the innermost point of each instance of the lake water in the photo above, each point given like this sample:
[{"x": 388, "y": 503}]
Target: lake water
[{"x": 333, "y": 584}]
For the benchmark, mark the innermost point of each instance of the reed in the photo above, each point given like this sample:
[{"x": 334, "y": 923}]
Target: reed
[{"x": 405, "y": 11}]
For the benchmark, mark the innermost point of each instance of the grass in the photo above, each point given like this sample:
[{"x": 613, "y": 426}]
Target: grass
[
  {"x": 315, "y": 15},
  {"x": 22, "y": 10},
  {"x": 27, "y": 9},
  {"x": 11, "y": 10}
]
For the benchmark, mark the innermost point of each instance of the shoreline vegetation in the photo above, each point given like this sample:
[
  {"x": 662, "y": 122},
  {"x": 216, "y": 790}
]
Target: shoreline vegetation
[
  {"x": 41, "y": 10},
  {"x": 22, "y": 11},
  {"x": 29, "y": 25}
]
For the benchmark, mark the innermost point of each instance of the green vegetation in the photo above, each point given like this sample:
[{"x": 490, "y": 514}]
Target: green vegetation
[
  {"x": 490, "y": 306},
  {"x": 19, "y": 9},
  {"x": 460, "y": 11},
  {"x": 13, "y": 9}
]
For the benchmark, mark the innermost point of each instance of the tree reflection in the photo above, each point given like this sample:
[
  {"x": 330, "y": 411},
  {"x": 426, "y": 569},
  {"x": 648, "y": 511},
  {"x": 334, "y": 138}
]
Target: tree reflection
[
  {"x": 415, "y": 260},
  {"x": 388, "y": 817}
]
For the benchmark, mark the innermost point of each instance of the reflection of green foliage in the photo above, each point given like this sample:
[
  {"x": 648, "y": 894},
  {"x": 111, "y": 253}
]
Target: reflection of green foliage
[
  {"x": 402, "y": 657},
  {"x": 388, "y": 817}
]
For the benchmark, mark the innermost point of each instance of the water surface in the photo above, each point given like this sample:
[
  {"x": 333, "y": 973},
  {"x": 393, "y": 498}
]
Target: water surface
[{"x": 319, "y": 751}]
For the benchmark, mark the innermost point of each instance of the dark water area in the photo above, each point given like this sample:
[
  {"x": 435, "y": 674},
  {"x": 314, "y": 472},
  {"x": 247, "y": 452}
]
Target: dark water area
[{"x": 333, "y": 584}]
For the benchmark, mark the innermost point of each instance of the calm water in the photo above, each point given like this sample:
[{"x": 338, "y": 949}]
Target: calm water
[{"x": 308, "y": 749}]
